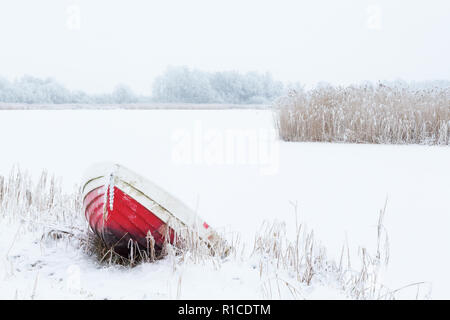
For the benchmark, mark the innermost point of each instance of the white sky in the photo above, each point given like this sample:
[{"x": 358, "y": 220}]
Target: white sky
[{"x": 132, "y": 41}]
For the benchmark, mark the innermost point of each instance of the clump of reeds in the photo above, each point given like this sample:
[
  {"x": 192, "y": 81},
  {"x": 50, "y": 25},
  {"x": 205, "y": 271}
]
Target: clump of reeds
[
  {"x": 379, "y": 114},
  {"x": 306, "y": 260},
  {"x": 41, "y": 202},
  {"x": 187, "y": 244},
  {"x": 93, "y": 245}
]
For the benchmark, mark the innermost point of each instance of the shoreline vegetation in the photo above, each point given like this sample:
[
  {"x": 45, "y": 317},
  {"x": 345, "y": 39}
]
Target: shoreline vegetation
[{"x": 370, "y": 114}]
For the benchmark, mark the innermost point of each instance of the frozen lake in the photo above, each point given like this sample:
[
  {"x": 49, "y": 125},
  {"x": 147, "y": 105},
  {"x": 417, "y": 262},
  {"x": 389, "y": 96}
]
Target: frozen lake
[{"x": 230, "y": 167}]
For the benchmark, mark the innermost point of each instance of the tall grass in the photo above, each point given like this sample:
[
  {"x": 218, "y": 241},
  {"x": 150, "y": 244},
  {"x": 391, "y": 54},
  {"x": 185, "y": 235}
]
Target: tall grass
[
  {"x": 307, "y": 260},
  {"x": 378, "y": 114},
  {"x": 39, "y": 202}
]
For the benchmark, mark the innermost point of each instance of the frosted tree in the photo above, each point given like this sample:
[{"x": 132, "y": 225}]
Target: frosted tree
[
  {"x": 181, "y": 84},
  {"x": 176, "y": 84},
  {"x": 28, "y": 89},
  {"x": 123, "y": 94}
]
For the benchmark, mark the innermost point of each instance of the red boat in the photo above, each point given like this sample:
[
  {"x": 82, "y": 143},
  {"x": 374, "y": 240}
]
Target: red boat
[{"x": 121, "y": 206}]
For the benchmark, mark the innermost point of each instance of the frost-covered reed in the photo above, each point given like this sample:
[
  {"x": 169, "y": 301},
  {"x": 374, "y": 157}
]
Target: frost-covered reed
[
  {"x": 380, "y": 114},
  {"x": 38, "y": 201},
  {"x": 306, "y": 260}
]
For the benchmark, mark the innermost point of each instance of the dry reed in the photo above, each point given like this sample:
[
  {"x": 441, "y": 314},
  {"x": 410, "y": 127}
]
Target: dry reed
[
  {"x": 378, "y": 114},
  {"x": 306, "y": 260}
]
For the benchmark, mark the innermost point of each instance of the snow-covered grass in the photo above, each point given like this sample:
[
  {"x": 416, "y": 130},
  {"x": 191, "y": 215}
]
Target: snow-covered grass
[
  {"x": 366, "y": 114},
  {"x": 339, "y": 190},
  {"x": 46, "y": 244}
]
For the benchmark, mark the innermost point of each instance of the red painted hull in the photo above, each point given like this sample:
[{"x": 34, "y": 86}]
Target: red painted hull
[
  {"x": 124, "y": 208},
  {"x": 123, "y": 221}
]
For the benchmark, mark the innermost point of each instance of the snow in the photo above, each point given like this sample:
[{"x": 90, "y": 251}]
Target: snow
[
  {"x": 198, "y": 156},
  {"x": 59, "y": 270}
]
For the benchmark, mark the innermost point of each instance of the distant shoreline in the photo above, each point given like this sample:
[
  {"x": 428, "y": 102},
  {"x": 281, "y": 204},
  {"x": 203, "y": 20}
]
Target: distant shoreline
[{"x": 132, "y": 106}]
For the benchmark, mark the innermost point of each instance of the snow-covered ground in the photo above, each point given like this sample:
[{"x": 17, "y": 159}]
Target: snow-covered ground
[{"x": 230, "y": 167}]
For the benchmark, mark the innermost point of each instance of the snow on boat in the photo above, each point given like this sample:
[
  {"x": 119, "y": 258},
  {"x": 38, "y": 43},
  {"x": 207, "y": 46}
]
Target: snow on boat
[{"x": 121, "y": 206}]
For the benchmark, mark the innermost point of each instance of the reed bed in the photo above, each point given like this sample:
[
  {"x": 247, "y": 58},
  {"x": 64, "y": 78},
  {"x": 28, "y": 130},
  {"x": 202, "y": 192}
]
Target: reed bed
[{"x": 376, "y": 114}]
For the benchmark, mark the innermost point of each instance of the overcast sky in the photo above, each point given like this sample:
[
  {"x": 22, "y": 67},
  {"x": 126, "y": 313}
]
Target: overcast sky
[{"x": 95, "y": 44}]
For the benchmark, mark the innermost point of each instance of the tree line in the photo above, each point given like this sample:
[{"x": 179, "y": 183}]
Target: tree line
[
  {"x": 175, "y": 85},
  {"x": 30, "y": 89}
]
